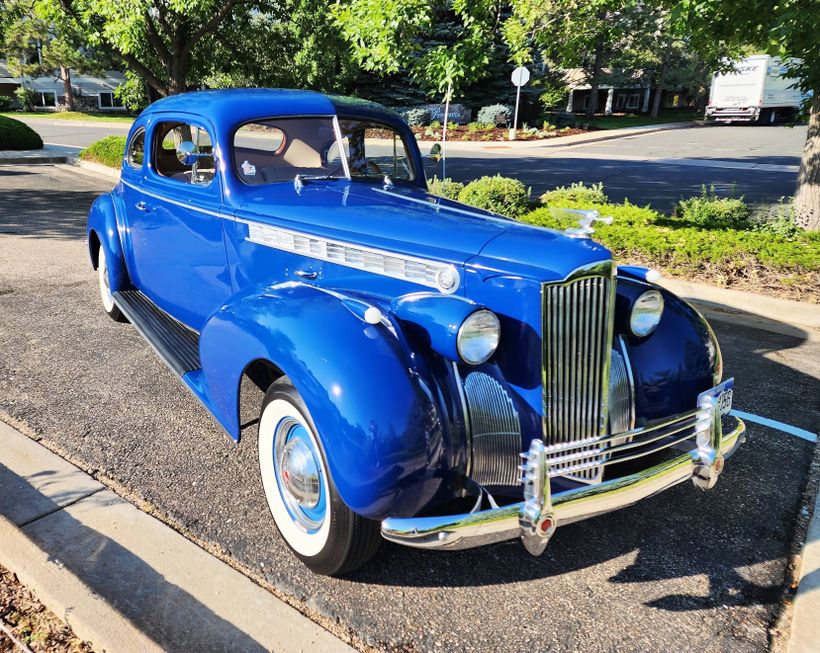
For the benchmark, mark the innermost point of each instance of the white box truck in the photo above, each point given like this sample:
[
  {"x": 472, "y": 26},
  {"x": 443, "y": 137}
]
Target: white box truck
[{"x": 755, "y": 91}]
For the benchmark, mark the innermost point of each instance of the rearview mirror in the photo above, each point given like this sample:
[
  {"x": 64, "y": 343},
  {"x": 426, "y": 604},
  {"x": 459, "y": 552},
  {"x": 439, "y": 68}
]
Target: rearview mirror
[{"x": 188, "y": 153}]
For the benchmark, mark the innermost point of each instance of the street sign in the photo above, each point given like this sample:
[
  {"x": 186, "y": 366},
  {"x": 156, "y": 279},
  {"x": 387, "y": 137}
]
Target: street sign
[{"x": 520, "y": 76}]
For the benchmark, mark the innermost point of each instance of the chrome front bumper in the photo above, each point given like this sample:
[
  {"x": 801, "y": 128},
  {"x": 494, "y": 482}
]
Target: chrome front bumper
[{"x": 536, "y": 518}]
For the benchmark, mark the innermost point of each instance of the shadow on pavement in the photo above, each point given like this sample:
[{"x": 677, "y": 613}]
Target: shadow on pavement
[{"x": 168, "y": 615}]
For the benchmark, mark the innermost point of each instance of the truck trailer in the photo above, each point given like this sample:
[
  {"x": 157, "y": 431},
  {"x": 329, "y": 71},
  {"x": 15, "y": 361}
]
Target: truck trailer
[{"x": 757, "y": 90}]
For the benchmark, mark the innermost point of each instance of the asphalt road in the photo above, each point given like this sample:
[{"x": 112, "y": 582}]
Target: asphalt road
[
  {"x": 630, "y": 168},
  {"x": 685, "y": 570}
]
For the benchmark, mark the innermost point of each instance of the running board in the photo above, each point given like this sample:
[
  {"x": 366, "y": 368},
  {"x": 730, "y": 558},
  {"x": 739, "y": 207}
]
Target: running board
[{"x": 175, "y": 343}]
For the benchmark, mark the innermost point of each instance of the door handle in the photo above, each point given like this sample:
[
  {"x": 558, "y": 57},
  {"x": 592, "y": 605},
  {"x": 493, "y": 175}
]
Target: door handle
[
  {"x": 141, "y": 206},
  {"x": 306, "y": 274}
]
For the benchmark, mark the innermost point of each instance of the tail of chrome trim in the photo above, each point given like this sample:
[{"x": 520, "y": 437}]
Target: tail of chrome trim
[{"x": 469, "y": 530}]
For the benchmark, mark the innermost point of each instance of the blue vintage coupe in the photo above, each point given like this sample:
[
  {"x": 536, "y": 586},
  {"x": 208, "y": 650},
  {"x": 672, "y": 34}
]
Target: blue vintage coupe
[{"x": 435, "y": 375}]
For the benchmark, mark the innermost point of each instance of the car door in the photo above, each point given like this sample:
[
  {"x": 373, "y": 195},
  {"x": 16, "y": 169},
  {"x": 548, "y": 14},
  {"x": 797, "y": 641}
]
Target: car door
[{"x": 176, "y": 224}]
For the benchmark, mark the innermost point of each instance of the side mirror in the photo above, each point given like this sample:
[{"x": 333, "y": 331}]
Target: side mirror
[
  {"x": 435, "y": 151},
  {"x": 188, "y": 153}
]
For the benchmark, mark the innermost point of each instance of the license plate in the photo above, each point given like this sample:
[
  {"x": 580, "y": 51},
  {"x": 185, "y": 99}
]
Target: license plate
[{"x": 723, "y": 394}]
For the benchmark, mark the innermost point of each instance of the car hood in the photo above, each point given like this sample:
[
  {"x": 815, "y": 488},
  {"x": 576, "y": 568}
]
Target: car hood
[{"x": 412, "y": 222}]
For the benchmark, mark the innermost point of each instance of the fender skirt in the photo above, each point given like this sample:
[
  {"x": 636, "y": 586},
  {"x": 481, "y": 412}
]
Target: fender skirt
[{"x": 379, "y": 428}]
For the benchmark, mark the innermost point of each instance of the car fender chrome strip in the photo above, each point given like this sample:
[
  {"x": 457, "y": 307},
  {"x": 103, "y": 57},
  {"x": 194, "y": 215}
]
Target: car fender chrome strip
[{"x": 440, "y": 207}]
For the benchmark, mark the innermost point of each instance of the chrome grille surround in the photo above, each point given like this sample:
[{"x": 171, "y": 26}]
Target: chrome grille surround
[
  {"x": 495, "y": 431},
  {"x": 621, "y": 391},
  {"x": 577, "y": 331}
]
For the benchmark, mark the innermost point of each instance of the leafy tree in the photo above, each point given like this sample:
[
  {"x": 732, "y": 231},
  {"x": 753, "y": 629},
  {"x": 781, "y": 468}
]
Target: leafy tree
[
  {"x": 168, "y": 43},
  {"x": 586, "y": 34},
  {"x": 35, "y": 27},
  {"x": 788, "y": 29}
]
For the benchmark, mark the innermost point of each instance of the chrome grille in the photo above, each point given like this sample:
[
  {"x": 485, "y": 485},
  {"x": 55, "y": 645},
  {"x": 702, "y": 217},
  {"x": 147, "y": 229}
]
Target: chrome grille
[
  {"x": 577, "y": 336},
  {"x": 495, "y": 431},
  {"x": 621, "y": 403}
]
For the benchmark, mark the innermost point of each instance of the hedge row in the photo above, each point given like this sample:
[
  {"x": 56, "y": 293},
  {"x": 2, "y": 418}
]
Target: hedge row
[
  {"x": 15, "y": 135},
  {"x": 108, "y": 151}
]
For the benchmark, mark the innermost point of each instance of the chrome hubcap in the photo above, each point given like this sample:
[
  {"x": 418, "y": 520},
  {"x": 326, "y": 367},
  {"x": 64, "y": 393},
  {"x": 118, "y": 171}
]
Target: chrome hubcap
[{"x": 299, "y": 474}]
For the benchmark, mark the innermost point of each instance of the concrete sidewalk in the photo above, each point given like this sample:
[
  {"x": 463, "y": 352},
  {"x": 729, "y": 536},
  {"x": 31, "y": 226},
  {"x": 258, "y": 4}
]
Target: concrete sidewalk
[
  {"x": 49, "y": 154},
  {"x": 123, "y": 580}
]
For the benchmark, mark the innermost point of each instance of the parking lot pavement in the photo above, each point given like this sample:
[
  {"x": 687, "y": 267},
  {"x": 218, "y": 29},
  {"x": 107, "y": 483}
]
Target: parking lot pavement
[{"x": 686, "y": 570}]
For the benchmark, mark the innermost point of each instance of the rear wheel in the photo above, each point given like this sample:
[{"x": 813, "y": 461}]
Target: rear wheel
[
  {"x": 309, "y": 514},
  {"x": 106, "y": 295}
]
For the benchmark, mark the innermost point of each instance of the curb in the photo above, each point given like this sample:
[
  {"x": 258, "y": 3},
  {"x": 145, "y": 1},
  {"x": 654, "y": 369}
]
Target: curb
[
  {"x": 32, "y": 160},
  {"x": 784, "y": 316},
  {"x": 123, "y": 580},
  {"x": 96, "y": 169}
]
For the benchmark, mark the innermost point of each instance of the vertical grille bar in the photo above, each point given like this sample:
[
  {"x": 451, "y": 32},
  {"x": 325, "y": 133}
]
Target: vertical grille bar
[{"x": 577, "y": 332}]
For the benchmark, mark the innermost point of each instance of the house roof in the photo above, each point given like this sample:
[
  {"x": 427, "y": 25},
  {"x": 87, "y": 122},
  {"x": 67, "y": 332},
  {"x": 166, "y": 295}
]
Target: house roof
[{"x": 83, "y": 84}]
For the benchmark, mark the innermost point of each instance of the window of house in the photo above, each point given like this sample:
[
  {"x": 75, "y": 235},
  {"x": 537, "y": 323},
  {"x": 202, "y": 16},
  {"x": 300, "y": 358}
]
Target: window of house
[
  {"x": 620, "y": 101},
  {"x": 136, "y": 150},
  {"x": 167, "y": 135},
  {"x": 46, "y": 99},
  {"x": 633, "y": 101},
  {"x": 107, "y": 100}
]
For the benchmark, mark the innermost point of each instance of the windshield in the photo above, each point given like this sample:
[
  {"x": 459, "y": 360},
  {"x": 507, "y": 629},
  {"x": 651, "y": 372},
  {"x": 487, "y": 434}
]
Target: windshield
[{"x": 269, "y": 151}]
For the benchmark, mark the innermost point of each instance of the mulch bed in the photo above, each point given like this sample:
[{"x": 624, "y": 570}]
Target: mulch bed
[
  {"x": 462, "y": 133},
  {"x": 31, "y": 623}
]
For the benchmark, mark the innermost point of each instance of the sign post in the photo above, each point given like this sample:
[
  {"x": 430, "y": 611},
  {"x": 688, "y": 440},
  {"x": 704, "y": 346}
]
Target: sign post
[{"x": 520, "y": 76}]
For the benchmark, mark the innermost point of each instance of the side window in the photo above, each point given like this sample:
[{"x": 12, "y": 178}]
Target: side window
[
  {"x": 136, "y": 150},
  {"x": 167, "y": 135}
]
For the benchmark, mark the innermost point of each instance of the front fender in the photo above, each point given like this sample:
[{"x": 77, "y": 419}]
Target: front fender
[
  {"x": 102, "y": 229},
  {"x": 378, "y": 425}
]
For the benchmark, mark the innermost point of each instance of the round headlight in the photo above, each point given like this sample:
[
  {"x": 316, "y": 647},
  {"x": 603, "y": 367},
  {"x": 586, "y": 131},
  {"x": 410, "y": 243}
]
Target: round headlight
[
  {"x": 478, "y": 337},
  {"x": 646, "y": 313}
]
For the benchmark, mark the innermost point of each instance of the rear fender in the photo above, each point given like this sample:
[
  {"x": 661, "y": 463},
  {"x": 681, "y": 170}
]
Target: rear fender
[
  {"x": 102, "y": 230},
  {"x": 377, "y": 422}
]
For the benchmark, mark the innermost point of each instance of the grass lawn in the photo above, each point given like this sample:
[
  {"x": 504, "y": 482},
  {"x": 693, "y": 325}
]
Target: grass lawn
[
  {"x": 69, "y": 115},
  {"x": 635, "y": 120}
]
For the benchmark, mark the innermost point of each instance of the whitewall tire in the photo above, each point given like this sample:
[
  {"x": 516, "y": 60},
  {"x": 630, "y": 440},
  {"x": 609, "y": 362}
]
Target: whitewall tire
[
  {"x": 306, "y": 508},
  {"x": 106, "y": 295}
]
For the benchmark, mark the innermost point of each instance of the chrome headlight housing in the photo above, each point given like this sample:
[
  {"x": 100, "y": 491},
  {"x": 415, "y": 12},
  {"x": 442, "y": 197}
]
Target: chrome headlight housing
[
  {"x": 646, "y": 313},
  {"x": 478, "y": 337}
]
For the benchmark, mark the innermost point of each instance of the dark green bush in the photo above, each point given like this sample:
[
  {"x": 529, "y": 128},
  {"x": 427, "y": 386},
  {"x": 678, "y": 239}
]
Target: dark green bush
[
  {"x": 709, "y": 211},
  {"x": 15, "y": 135},
  {"x": 575, "y": 194},
  {"x": 498, "y": 194},
  {"x": 108, "y": 151},
  {"x": 5, "y": 102},
  {"x": 445, "y": 187}
]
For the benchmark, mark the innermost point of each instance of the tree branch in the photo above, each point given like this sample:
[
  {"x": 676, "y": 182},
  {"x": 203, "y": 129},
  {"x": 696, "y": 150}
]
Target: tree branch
[
  {"x": 217, "y": 18},
  {"x": 146, "y": 74},
  {"x": 156, "y": 41}
]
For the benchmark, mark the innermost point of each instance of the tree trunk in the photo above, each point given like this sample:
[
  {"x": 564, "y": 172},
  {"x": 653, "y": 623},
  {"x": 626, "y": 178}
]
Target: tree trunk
[
  {"x": 68, "y": 92},
  {"x": 595, "y": 82},
  {"x": 656, "y": 103},
  {"x": 807, "y": 196}
]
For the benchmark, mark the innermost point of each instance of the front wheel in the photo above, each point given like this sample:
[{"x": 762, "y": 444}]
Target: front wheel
[{"x": 311, "y": 517}]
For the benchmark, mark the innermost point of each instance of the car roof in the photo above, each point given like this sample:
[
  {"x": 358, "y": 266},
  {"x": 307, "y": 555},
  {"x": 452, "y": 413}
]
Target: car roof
[{"x": 234, "y": 106}]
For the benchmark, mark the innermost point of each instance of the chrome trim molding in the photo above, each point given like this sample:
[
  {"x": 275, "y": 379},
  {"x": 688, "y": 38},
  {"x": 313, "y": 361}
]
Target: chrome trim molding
[
  {"x": 577, "y": 329},
  {"x": 453, "y": 532},
  {"x": 495, "y": 431},
  {"x": 407, "y": 268},
  {"x": 621, "y": 404}
]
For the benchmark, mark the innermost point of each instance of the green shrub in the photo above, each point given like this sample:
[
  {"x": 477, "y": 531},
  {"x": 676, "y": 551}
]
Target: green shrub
[
  {"x": 445, "y": 187},
  {"x": 575, "y": 194},
  {"x": 497, "y": 115},
  {"x": 709, "y": 211},
  {"x": 15, "y": 135},
  {"x": 436, "y": 124},
  {"x": 498, "y": 194},
  {"x": 108, "y": 151},
  {"x": 27, "y": 97},
  {"x": 5, "y": 102}
]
